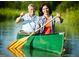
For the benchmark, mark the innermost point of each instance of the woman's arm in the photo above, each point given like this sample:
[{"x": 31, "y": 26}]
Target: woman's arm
[{"x": 58, "y": 18}]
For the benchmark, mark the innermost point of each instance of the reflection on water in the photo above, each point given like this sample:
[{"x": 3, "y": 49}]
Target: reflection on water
[{"x": 8, "y": 34}]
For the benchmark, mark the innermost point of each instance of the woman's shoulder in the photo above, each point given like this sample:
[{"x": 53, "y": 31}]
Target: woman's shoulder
[{"x": 41, "y": 17}]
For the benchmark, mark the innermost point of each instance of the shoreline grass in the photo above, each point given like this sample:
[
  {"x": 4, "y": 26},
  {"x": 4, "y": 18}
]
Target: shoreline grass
[{"x": 10, "y": 12}]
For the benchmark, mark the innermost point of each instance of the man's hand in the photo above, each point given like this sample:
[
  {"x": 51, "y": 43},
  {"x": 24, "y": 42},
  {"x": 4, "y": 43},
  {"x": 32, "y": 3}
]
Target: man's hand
[
  {"x": 22, "y": 13},
  {"x": 18, "y": 19}
]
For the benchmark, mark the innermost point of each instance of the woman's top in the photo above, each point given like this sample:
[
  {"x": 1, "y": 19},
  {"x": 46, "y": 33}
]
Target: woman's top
[{"x": 50, "y": 27}]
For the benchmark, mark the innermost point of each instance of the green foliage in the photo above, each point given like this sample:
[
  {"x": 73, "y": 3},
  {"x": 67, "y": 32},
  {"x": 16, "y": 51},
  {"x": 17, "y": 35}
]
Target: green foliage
[
  {"x": 14, "y": 8},
  {"x": 7, "y": 14},
  {"x": 70, "y": 13},
  {"x": 69, "y": 9},
  {"x": 70, "y": 23},
  {"x": 10, "y": 12},
  {"x": 71, "y": 17},
  {"x": 67, "y": 5}
]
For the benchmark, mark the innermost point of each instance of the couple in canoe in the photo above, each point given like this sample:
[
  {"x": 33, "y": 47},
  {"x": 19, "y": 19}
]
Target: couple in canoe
[{"x": 32, "y": 22}]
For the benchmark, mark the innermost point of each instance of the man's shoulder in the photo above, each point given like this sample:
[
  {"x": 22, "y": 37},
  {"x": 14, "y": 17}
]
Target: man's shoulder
[
  {"x": 36, "y": 16},
  {"x": 26, "y": 14}
]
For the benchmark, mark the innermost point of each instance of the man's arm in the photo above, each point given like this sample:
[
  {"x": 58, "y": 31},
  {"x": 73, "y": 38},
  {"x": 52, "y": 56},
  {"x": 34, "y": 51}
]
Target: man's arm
[{"x": 18, "y": 19}]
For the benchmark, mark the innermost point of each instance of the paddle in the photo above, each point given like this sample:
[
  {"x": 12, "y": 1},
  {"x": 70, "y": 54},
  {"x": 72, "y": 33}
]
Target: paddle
[{"x": 18, "y": 44}]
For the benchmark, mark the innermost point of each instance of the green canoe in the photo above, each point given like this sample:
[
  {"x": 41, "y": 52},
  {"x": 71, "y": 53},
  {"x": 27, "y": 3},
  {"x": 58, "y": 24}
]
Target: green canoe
[{"x": 52, "y": 43}]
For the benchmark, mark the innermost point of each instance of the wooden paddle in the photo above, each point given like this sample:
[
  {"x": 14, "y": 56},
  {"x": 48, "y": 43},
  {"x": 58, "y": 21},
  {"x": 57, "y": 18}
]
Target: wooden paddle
[{"x": 18, "y": 44}]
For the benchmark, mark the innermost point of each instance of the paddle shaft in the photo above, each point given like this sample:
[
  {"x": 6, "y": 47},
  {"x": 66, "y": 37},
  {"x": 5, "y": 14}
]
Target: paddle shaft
[{"x": 45, "y": 24}]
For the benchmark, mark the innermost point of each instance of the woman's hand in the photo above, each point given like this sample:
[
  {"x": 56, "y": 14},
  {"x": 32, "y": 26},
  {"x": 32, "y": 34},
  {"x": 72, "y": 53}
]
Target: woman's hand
[
  {"x": 58, "y": 18},
  {"x": 58, "y": 15}
]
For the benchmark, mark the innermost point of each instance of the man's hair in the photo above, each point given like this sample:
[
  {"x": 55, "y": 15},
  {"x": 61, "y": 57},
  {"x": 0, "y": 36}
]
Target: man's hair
[{"x": 32, "y": 5}]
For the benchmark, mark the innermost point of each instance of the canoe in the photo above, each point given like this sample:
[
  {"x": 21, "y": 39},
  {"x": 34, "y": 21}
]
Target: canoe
[{"x": 51, "y": 42}]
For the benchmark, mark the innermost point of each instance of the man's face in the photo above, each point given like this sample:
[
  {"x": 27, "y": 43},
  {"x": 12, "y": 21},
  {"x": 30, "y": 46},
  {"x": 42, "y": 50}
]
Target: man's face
[{"x": 31, "y": 10}]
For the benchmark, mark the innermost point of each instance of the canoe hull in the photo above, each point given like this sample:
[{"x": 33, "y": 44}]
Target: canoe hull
[{"x": 52, "y": 42}]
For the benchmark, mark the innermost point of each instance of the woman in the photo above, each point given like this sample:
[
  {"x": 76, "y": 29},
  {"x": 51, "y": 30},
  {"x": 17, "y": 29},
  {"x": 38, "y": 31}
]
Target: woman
[{"x": 45, "y": 16}]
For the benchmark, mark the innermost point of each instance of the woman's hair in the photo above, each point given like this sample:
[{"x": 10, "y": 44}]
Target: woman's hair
[{"x": 45, "y": 4}]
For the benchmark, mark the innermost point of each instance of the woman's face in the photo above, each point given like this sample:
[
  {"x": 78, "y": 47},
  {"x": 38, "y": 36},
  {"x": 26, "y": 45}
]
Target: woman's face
[{"x": 45, "y": 10}]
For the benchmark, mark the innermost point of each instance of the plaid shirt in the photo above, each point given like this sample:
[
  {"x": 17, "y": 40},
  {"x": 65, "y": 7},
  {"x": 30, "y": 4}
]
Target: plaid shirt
[{"x": 42, "y": 21}]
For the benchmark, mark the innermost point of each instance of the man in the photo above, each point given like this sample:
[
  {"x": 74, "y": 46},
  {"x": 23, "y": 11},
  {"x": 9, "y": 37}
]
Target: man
[{"x": 30, "y": 20}]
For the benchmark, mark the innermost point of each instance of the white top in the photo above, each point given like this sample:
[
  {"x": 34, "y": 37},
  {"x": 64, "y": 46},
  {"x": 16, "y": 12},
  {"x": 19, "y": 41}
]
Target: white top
[{"x": 30, "y": 24}]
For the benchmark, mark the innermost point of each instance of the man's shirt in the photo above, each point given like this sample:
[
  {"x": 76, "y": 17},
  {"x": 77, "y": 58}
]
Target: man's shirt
[{"x": 30, "y": 24}]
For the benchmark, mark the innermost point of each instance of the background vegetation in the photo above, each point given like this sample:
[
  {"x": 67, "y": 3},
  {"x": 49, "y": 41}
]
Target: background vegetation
[{"x": 69, "y": 10}]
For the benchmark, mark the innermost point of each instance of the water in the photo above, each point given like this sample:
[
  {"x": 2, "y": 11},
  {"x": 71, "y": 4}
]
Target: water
[{"x": 8, "y": 34}]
